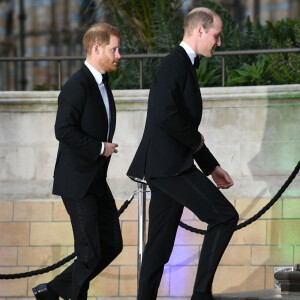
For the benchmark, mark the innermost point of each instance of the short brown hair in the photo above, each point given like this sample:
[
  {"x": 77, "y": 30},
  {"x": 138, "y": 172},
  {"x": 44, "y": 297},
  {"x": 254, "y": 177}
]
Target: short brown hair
[
  {"x": 198, "y": 17},
  {"x": 99, "y": 34}
]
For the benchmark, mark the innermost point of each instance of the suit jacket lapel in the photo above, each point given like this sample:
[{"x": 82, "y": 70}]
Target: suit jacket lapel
[
  {"x": 188, "y": 62},
  {"x": 112, "y": 109},
  {"x": 96, "y": 92},
  {"x": 94, "y": 85}
]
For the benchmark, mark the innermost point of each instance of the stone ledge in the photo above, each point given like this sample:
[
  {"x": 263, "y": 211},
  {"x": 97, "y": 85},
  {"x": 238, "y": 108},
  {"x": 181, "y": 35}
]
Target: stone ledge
[
  {"x": 46, "y": 101},
  {"x": 269, "y": 294}
]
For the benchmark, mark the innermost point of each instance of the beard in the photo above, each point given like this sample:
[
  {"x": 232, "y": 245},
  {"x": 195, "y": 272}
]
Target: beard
[{"x": 108, "y": 64}]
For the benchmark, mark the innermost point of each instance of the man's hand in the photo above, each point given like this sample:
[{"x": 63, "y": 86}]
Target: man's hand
[
  {"x": 109, "y": 149},
  {"x": 201, "y": 144},
  {"x": 222, "y": 178}
]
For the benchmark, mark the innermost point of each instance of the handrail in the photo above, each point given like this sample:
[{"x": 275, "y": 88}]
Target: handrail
[
  {"x": 59, "y": 59},
  {"x": 148, "y": 55}
]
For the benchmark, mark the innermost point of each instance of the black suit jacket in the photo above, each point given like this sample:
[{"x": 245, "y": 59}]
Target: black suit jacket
[
  {"x": 81, "y": 125},
  {"x": 171, "y": 131}
]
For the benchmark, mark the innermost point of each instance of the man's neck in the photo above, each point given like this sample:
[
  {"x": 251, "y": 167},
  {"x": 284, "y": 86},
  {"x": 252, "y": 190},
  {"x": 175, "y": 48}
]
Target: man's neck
[
  {"x": 93, "y": 63},
  {"x": 190, "y": 43}
]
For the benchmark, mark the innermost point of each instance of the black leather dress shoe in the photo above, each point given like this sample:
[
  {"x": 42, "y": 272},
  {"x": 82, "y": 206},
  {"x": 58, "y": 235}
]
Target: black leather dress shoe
[
  {"x": 42, "y": 292},
  {"x": 202, "y": 296}
]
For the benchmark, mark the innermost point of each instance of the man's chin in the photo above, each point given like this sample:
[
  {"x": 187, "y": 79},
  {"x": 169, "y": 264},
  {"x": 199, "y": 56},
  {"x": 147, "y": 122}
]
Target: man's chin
[
  {"x": 208, "y": 54},
  {"x": 112, "y": 68}
]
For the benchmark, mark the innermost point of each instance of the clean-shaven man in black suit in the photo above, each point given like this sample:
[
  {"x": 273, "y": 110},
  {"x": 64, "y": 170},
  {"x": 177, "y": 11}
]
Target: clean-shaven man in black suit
[
  {"x": 165, "y": 158},
  {"x": 85, "y": 125}
]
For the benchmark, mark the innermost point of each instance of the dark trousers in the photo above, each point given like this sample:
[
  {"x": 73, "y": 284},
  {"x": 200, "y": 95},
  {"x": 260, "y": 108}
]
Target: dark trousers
[
  {"x": 168, "y": 198},
  {"x": 97, "y": 242}
]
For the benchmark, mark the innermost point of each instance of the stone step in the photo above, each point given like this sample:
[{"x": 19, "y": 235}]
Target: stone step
[{"x": 269, "y": 294}]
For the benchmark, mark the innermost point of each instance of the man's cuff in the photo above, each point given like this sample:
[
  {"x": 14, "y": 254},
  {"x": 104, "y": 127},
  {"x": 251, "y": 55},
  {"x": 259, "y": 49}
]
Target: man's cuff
[
  {"x": 102, "y": 148},
  {"x": 214, "y": 169},
  {"x": 205, "y": 160}
]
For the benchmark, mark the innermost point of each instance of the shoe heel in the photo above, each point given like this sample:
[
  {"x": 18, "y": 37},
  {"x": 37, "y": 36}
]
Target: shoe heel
[{"x": 35, "y": 293}]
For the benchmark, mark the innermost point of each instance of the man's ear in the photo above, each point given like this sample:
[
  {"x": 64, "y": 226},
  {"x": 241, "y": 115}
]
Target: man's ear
[
  {"x": 97, "y": 49},
  {"x": 199, "y": 31}
]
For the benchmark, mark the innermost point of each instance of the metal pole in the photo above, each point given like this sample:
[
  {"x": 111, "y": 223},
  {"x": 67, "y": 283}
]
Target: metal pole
[
  {"x": 223, "y": 71},
  {"x": 22, "y": 18},
  {"x": 59, "y": 75},
  {"x": 256, "y": 10},
  {"x": 141, "y": 73},
  {"x": 141, "y": 224}
]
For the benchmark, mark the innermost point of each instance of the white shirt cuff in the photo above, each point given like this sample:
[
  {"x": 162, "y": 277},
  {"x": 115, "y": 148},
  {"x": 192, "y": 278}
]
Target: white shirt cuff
[{"x": 102, "y": 148}]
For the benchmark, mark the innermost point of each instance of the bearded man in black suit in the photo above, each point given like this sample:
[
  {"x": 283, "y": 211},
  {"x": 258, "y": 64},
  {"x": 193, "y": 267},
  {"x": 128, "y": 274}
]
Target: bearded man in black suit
[
  {"x": 85, "y": 125},
  {"x": 165, "y": 159}
]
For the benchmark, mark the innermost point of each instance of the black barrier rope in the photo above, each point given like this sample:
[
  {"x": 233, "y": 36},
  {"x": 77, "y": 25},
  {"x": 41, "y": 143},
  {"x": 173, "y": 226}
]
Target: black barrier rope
[
  {"x": 40, "y": 271},
  {"x": 63, "y": 261},
  {"x": 183, "y": 225},
  {"x": 260, "y": 213}
]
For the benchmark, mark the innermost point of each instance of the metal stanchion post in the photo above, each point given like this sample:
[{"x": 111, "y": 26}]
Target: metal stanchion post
[{"x": 141, "y": 224}]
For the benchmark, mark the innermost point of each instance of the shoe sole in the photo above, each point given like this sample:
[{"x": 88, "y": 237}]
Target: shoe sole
[{"x": 35, "y": 293}]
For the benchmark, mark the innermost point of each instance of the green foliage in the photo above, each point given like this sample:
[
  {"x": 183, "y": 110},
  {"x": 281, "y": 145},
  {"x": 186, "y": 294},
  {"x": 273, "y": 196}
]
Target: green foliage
[
  {"x": 254, "y": 74},
  {"x": 40, "y": 87},
  {"x": 45, "y": 87},
  {"x": 281, "y": 68},
  {"x": 285, "y": 68},
  {"x": 281, "y": 31},
  {"x": 207, "y": 74},
  {"x": 166, "y": 36},
  {"x": 155, "y": 26},
  {"x": 147, "y": 26}
]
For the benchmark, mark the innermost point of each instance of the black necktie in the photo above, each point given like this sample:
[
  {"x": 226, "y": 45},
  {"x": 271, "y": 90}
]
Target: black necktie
[
  {"x": 105, "y": 78},
  {"x": 197, "y": 62}
]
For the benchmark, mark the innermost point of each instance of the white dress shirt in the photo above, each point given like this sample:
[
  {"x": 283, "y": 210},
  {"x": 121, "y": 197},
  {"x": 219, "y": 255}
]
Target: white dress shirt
[
  {"x": 98, "y": 77},
  {"x": 189, "y": 51}
]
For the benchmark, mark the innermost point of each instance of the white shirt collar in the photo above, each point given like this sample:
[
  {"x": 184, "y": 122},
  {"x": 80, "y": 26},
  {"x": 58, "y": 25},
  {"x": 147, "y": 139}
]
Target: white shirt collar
[
  {"x": 97, "y": 75},
  {"x": 189, "y": 51}
]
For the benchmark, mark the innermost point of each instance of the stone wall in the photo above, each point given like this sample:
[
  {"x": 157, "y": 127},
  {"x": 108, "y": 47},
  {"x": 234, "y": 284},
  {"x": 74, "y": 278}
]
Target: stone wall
[{"x": 254, "y": 133}]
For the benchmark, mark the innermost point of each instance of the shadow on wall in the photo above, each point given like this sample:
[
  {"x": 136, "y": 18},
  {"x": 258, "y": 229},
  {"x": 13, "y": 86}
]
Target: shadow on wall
[
  {"x": 278, "y": 155},
  {"x": 277, "y": 152},
  {"x": 273, "y": 149}
]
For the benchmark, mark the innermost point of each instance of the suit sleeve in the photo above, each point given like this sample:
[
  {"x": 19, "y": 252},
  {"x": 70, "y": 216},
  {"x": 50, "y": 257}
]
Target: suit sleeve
[
  {"x": 68, "y": 130},
  {"x": 168, "y": 98},
  {"x": 205, "y": 160}
]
